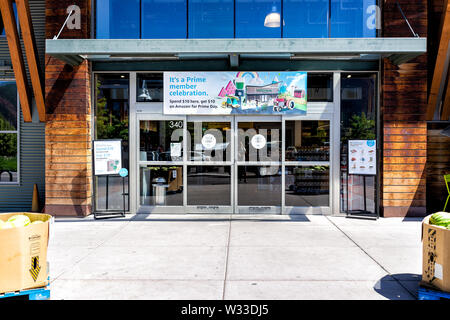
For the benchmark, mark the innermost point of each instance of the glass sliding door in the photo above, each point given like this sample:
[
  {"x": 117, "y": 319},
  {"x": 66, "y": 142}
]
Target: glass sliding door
[
  {"x": 209, "y": 166},
  {"x": 161, "y": 170},
  {"x": 258, "y": 165},
  {"x": 307, "y": 166}
]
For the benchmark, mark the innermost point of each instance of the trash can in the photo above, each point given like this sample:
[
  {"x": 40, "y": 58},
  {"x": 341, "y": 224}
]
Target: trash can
[{"x": 159, "y": 191}]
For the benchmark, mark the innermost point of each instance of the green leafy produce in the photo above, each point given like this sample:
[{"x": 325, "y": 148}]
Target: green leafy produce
[{"x": 441, "y": 219}]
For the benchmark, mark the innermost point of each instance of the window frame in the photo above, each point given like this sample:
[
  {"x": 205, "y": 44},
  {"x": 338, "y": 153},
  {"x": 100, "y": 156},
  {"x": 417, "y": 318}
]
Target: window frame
[{"x": 17, "y": 132}]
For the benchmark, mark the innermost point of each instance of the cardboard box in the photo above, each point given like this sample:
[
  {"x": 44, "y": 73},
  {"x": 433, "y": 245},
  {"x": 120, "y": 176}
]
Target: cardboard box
[
  {"x": 23, "y": 254},
  {"x": 436, "y": 256}
]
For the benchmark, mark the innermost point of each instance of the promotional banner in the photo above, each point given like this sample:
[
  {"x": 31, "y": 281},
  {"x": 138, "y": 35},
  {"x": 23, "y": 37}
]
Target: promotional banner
[
  {"x": 107, "y": 157},
  {"x": 362, "y": 156},
  {"x": 224, "y": 93}
]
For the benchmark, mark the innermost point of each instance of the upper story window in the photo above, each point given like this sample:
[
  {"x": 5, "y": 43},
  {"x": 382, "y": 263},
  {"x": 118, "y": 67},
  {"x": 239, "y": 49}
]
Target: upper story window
[
  {"x": 181, "y": 19},
  {"x": 8, "y": 132}
]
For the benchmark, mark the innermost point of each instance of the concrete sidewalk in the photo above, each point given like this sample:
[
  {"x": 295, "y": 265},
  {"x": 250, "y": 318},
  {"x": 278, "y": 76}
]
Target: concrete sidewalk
[{"x": 246, "y": 257}]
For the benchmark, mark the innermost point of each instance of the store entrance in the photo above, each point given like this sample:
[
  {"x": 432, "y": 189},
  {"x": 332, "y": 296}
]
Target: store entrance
[
  {"x": 186, "y": 164},
  {"x": 233, "y": 164},
  {"x": 258, "y": 165}
]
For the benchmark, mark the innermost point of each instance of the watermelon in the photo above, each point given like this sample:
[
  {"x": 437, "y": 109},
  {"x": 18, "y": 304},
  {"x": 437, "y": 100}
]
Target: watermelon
[{"x": 440, "y": 219}]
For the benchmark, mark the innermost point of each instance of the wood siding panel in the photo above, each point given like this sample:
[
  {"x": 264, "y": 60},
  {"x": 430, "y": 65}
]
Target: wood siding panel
[
  {"x": 68, "y": 128},
  {"x": 404, "y": 105},
  {"x": 438, "y": 165}
]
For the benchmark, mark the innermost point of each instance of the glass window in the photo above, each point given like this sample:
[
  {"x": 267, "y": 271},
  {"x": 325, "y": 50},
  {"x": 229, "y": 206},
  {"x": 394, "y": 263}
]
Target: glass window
[
  {"x": 149, "y": 87},
  {"x": 8, "y": 157},
  {"x": 305, "y": 19},
  {"x": 111, "y": 122},
  {"x": 258, "y": 19},
  {"x": 164, "y": 19},
  {"x": 352, "y": 19},
  {"x": 8, "y": 132},
  {"x": 307, "y": 186},
  {"x": 320, "y": 87},
  {"x": 259, "y": 141},
  {"x": 211, "y": 19},
  {"x": 8, "y": 106},
  {"x": 259, "y": 185},
  {"x": 161, "y": 186},
  {"x": 358, "y": 122},
  {"x": 307, "y": 140},
  {"x": 118, "y": 19},
  {"x": 209, "y": 141},
  {"x": 161, "y": 140},
  {"x": 209, "y": 185}
]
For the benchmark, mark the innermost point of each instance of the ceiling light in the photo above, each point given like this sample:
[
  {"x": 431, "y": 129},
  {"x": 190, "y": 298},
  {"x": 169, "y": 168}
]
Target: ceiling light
[
  {"x": 145, "y": 95},
  {"x": 273, "y": 19}
]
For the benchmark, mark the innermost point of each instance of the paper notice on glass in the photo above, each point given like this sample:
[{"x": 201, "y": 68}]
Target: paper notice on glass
[
  {"x": 175, "y": 149},
  {"x": 362, "y": 157}
]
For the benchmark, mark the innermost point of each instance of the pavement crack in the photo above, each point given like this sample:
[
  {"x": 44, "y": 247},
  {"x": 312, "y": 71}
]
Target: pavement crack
[{"x": 226, "y": 259}]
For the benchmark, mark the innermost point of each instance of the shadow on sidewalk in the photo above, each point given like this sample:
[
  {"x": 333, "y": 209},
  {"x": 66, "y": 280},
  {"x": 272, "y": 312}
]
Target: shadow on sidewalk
[
  {"x": 402, "y": 286},
  {"x": 219, "y": 217}
]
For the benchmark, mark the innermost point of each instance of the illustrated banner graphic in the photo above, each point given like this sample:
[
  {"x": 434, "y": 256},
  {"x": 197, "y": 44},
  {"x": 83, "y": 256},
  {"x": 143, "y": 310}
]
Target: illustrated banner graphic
[{"x": 223, "y": 93}]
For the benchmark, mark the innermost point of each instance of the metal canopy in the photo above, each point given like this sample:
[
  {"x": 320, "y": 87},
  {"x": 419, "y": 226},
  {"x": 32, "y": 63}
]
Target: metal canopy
[{"x": 74, "y": 51}]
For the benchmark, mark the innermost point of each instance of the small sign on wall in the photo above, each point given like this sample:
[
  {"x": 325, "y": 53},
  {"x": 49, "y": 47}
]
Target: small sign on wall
[{"x": 362, "y": 157}]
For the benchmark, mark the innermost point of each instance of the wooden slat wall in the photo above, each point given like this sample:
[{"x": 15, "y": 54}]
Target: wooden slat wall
[
  {"x": 404, "y": 102},
  {"x": 68, "y": 167},
  {"x": 438, "y": 164}
]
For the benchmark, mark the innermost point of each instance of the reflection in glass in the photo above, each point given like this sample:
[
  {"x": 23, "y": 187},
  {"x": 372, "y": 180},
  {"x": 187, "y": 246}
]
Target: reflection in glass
[
  {"x": 258, "y": 19},
  {"x": 352, "y": 19},
  {"x": 117, "y": 19},
  {"x": 161, "y": 186},
  {"x": 209, "y": 185},
  {"x": 358, "y": 122},
  {"x": 305, "y": 19},
  {"x": 320, "y": 87},
  {"x": 259, "y": 141},
  {"x": 307, "y": 186},
  {"x": 307, "y": 140},
  {"x": 108, "y": 192},
  {"x": 161, "y": 140},
  {"x": 8, "y": 157},
  {"x": 8, "y": 106},
  {"x": 259, "y": 185},
  {"x": 209, "y": 141},
  {"x": 163, "y": 19},
  {"x": 211, "y": 19},
  {"x": 111, "y": 122},
  {"x": 149, "y": 87}
]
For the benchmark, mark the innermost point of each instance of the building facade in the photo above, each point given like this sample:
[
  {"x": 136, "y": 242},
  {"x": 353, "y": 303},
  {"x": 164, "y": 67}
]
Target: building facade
[
  {"x": 22, "y": 136},
  {"x": 236, "y": 106}
]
